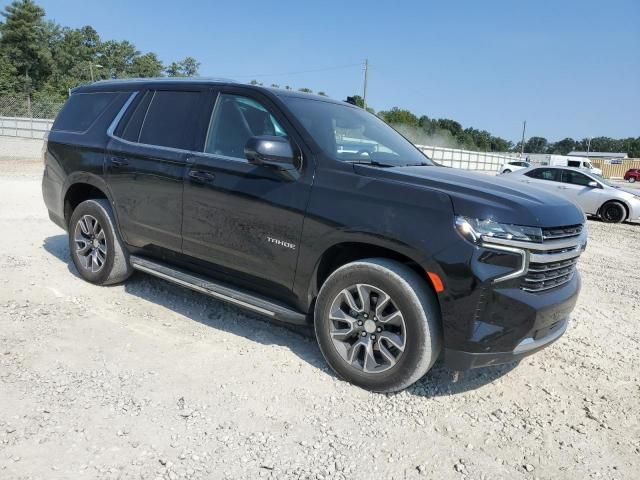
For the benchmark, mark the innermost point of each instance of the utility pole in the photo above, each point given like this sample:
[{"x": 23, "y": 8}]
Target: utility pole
[
  {"x": 91, "y": 70},
  {"x": 366, "y": 72},
  {"x": 524, "y": 129},
  {"x": 588, "y": 147}
]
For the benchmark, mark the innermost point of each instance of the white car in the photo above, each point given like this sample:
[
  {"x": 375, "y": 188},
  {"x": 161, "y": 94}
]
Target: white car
[
  {"x": 513, "y": 166},
  {"x": 589, "y": 191}
]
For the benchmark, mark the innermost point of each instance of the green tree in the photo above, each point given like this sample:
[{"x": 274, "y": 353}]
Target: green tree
[
  {"x": 23, "y": 42},
  {"x": 147, "y": 65},
  {"x": 322, "y": 94},
  {"x": 563, "y": 146},
  {"x": 305, "y": 90},
  {"x": 536, "y": 145},
  {"x": 116, "y": 58},
  {"x": 398, "y": 116}
]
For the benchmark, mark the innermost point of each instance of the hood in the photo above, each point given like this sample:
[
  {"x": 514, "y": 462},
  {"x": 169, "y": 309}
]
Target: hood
[{"x": 477, "y": 195}]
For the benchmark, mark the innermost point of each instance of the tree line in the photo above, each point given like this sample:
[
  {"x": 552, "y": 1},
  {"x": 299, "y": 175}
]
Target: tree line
[{"x": 42, "y": 59}]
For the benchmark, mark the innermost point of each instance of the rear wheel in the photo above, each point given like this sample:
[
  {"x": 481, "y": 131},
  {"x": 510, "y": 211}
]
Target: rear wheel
[
  {"x": 613, "y": 212},
  {"x": 96, "y": 248},
  {"x": 506, "y": 170},
  {"x": 378, "y": 324}
]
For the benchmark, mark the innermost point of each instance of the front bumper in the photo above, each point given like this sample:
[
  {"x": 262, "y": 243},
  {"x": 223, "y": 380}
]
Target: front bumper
[
  {"x": 460, "y": 360},
  {"x": 496, "y": 317}
]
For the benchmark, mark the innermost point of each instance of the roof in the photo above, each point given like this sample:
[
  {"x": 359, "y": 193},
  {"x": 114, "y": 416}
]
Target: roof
[
  {"x": 136, "y": 83},
  {"x": 598, "y": 154}
]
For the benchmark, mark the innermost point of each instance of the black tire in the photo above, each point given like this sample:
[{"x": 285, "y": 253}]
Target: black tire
[
  {"x": 421, "y": 323},
  {"x": 613, "y": 212},
  {"x": 506, "y": 171},
  {"x": 112, "y": 264}
]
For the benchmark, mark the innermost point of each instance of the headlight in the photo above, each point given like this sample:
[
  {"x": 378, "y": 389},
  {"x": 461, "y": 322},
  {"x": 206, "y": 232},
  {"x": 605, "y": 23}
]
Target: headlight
[{"x": 474, "y": 230}]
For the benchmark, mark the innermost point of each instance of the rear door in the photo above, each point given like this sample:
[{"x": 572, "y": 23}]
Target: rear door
[
  {"x": 245, "y": 218},
  {"x": 147, "y": 161},
  {"x": 549, "y": 177}
]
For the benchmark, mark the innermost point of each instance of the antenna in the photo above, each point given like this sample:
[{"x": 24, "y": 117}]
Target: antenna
[{"x": 366, "y": 72}]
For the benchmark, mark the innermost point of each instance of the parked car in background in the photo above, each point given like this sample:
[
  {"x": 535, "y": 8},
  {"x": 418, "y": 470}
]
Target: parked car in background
[
  {"x": 632, "y": 175},
  {"x": 591, "y": 192},
  {"x": 513, "y": 166}
]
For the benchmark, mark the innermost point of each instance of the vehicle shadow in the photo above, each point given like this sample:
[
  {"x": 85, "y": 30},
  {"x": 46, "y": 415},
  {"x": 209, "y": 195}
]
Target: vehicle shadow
[{"x": 440, "y": 381}]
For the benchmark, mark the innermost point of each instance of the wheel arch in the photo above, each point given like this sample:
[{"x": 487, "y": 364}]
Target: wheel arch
[
  {"x": 82, "y": 186},
  {"x": 339, "y": 254},
  {"x": 627, "y": 208}
]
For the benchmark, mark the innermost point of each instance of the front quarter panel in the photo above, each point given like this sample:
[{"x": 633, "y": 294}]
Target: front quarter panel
[{"x": 347, "y": 207}]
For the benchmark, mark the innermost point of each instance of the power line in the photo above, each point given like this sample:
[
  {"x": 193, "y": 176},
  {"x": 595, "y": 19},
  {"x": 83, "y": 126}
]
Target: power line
[{"x": 257, "y": 75}]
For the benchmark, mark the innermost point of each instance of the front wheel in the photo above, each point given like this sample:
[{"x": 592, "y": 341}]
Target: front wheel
[
  {"x": 96, "y": 248},
  {"x": 378, "y": 324},
  {"x": 632, "y": 179},
  {"x": 506, "y": 171}
]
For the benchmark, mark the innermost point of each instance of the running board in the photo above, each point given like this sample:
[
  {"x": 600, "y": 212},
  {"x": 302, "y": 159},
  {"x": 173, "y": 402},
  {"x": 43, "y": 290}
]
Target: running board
[{"x": 226, "y": 293}]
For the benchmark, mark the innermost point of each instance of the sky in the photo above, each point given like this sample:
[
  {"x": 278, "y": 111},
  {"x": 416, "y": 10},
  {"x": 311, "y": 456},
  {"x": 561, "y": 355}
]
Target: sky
[{"x": 569, "y": 68}]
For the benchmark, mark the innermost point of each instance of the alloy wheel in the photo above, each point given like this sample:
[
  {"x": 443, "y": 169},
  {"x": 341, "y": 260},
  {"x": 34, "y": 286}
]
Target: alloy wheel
[
  {"x": 91, "y": 243},
  {"x": 367, "y": 328}
]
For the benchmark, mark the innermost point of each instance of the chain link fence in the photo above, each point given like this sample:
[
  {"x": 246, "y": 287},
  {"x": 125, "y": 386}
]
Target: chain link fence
[
  {"x": 25, "y": 106},
  {"x": 27, "y": 116}
]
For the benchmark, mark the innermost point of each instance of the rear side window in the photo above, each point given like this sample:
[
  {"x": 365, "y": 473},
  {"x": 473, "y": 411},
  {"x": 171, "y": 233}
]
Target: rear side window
[
  {"x": 129, "y": 128},
  {"x": 171, "y": 119},
  {"x": 573, "y": 163},
  {"x": 81, "y": 110}
]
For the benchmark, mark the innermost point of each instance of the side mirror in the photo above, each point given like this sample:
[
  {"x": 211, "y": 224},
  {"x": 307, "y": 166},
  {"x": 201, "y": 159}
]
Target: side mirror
[
  {"x": 270, "y": 151},
  {"x": 593, "y": 184}
]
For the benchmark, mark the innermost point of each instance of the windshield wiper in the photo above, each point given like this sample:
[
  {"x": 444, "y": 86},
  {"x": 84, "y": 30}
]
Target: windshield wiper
[
  {"x": 374, "y": 163},
  {"x": 421, "y": 164}
]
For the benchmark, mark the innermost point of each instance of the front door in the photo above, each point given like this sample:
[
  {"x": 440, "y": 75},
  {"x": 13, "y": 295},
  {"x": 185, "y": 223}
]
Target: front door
[{"x": 245, "y": 218}]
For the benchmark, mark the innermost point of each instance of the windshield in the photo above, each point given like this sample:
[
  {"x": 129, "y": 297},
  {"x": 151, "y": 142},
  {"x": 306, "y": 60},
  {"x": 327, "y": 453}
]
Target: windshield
[
  {"x": 350, "y": 134},
  {"x": 601, "y": 179}
]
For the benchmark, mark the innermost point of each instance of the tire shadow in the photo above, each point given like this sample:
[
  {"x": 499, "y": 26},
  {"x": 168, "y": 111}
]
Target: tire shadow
[
  {"x": 209, "y": 311},
  {"x": 300, "y": 340}
]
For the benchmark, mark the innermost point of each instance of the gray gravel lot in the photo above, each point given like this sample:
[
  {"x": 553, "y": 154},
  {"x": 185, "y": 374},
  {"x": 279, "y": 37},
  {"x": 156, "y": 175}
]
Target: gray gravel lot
[{"x": 149, "y": 380}]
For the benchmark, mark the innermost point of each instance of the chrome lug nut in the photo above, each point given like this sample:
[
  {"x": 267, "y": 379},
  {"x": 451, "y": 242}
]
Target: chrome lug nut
[
  {"x": 359, "y": 323},
  {"x": 365, "y": 315},
  {"x": 379, "y": 329},
  {"x": 364, "y": 334},
  {"x": 373, "y": 337}
]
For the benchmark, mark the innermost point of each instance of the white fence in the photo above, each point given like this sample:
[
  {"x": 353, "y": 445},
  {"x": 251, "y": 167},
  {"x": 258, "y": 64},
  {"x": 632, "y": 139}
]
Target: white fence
[
  {"x": 24, "y": 127},
  {"x": 467, "y": 159}
]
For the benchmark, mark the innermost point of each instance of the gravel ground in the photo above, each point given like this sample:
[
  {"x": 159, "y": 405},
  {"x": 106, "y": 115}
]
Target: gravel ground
[{"x": 149, "y": 380}]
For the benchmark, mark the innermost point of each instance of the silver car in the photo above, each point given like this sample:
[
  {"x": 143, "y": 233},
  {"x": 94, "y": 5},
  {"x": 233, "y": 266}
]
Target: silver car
[{"x": 591, "y": 192}]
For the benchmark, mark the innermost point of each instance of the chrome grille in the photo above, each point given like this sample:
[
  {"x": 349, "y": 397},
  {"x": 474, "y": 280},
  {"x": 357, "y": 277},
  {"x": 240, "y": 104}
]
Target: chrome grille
[
  {"x": 561, "y": 232},
  {"x": 548, "y": 264},
  {"x": 555, "y": 265},
  {"x": 544, "y": 276}
]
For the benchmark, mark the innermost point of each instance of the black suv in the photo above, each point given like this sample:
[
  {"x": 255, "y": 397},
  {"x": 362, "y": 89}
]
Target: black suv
[{"x": 312, "y": 211}]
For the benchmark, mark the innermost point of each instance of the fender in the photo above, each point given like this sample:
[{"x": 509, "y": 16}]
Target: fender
[
  {"x": 94, "y": 180},
  {"x": 349, "y": 236}
]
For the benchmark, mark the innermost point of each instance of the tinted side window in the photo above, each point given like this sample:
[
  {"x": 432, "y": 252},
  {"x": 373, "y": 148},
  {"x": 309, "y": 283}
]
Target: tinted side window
[
  {"x": 81, "y": 110},
  {"x": 544, "y": 174},
  {"x": 234, "y": 121},
  {"x": 171, "y": 119},
  {"x": 129, "y": 127},
  {"x": 573, "y": 163},
  {"x": 575, "y": 178}
]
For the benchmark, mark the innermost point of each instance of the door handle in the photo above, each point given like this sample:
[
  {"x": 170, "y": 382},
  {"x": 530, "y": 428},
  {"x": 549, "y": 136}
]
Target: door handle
[
  {"x": 200, "y": 176},
  {"x": 118, "y": 162}
]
